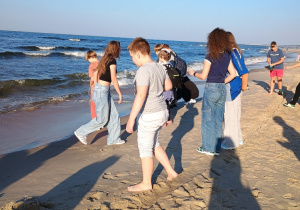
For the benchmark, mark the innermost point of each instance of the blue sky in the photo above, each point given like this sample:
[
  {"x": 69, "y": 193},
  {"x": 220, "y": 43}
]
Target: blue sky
[{"x": 252, "y": 22}]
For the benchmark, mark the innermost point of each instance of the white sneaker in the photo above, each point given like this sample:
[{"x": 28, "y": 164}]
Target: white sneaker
[
  {"x": 192, "y": 101},
  {"x": 81, "y": 138},
  {"x": 120, "y": 142}
]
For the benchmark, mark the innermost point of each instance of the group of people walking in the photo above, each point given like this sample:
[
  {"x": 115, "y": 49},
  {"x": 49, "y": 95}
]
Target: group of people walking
[{"x": 156, "y": 91}]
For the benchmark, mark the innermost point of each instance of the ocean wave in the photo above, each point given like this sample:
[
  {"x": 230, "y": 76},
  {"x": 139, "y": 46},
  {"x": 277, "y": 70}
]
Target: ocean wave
[
  {"x": 253, "y": 60},
  {"x": 8, "y": 87},
  {"x": 79, "y": 54},
  {"x": 37, "y": 54},
  {"x": 58, "y": 38},
  {"x": 75, "y": 40},
  {"x": 9, "y": 53},
  {"x": 45, "y": 48},
  {"x": 195, "y": 66},
  {"x": 31, "y": 106}
]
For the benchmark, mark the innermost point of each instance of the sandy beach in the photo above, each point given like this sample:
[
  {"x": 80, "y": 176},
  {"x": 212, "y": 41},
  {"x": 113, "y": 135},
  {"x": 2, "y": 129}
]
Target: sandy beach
[{"x": 261, "y": 174}]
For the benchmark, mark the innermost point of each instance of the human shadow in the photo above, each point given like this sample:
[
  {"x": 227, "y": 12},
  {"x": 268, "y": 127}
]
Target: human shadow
[
  {"x": 264, "y": 85},
  {"x": 291, "y": 135},
  {"x": 174, "y": 147},
  {"x": 72, "y": 190},
  {"x": 227, "y": 191},
  {"x": 15, "y": 166}
]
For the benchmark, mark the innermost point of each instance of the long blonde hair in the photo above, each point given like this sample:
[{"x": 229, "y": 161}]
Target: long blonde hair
[{"x": 112, "y": 50}]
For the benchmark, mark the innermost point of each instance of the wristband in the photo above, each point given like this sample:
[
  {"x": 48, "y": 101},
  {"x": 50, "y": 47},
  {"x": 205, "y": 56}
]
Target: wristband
[{"x": 195, "y": 74}]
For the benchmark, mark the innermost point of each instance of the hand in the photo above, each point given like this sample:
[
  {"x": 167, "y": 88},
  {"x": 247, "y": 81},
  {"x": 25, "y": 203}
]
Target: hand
[
  {"x": 288, "y": 67},
  {"x": 120, "y": 99},
  {"x": 271, "y": 65},
  {"x": 129, "y": 125},
  {"x": 191, "y": 72},
  {"x": 244, "y": 89}
]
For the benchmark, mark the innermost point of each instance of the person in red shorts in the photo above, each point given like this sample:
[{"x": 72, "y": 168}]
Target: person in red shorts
[
  {"x": 275, "y": 59},
  {"x": 91, "y": 57}
]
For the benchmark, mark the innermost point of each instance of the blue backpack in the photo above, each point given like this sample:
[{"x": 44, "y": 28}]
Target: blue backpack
[{"x": 180, "y": 64}]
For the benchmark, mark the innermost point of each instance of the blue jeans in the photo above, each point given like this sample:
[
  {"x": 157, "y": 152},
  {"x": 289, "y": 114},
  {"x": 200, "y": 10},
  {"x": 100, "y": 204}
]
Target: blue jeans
[
  {"x": 213, "y": 107},
  {"x": 107, "y": 115}
]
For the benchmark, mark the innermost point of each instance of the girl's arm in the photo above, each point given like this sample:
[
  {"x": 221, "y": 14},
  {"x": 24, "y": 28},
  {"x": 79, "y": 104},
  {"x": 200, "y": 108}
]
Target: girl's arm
[
  {"x": 203, "y": 75},
  {"x": 138, "y": 103},
  {"x": 95, "y": 77},
  {"x": 245, "y": 81},
  {"x": 296, "y": 65},
  {"x": 113, "y": 74},
  {"x": 231, "y": 71},
  {"x": 168, "y": 84}
]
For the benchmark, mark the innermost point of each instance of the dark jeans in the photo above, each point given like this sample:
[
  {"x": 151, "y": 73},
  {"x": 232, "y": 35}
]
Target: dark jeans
[{"x": 297, "y": 95}]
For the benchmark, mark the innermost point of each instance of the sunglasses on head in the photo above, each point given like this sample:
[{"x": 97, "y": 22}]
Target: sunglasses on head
[{"x": 273, "y": 46}]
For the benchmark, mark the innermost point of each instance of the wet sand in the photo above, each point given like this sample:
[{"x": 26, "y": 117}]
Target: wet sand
[{"x": 261, "y": 174}]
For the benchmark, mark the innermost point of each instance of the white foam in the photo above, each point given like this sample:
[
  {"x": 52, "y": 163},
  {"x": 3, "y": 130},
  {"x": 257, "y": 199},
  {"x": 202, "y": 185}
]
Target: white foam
[
  {"x": 253, "y": 60},
  {"x": 74, "y": 40},
  {"x": 76, "y": 54},
  {"x": 38, "y": 54},
  {"x": 81, "y": 54},
  {"x": 196, "y": 66},
  {"x": 45, "y": 48},
  {"x": 125, "y": 77}
]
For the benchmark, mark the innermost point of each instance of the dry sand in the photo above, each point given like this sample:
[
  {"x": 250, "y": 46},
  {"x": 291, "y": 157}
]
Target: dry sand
[{"x": 261, "y": 174}]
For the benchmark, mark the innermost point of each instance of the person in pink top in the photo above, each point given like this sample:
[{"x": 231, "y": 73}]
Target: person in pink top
[{"x": 91, "y": 57}]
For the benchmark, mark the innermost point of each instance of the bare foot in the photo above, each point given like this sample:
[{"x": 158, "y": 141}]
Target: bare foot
[
  {"x": 172, "y": 176},
  {"x": 270, "y": 93},
  {"x": 140, "y": 188}
]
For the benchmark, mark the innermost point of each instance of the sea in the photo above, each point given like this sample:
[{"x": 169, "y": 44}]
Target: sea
[{"x": 42, "y": 68}]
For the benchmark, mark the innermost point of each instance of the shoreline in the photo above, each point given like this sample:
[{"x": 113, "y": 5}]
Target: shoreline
[
  {"x": 70, "y": 175},
  {"x": 70, "y": 115}
]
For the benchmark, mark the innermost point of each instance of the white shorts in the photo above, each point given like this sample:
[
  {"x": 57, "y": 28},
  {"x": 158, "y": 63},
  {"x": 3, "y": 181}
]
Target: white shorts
[{"x": 149, "y": 126}]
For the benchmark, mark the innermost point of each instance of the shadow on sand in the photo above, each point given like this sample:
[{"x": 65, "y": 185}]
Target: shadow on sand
[
  {"x": 15, "y": 166},
  {"x": 228, "y": 191},
  {"x": 291, "y": 135},
  {"x": 174, "y": 147}
]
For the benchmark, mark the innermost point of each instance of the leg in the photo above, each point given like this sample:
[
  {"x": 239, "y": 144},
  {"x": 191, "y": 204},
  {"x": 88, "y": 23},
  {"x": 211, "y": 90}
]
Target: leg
[
  {"x": 239, "y": 114},
  {"x": 163, "y": 159},
  {"x": 93, "y": 105},
  {"x": 100, "y": 97},
  {"x": 272, "y": 85},
  {"x": 219, "y": 116},
  {"x": 149, "y": 126},
  {"x": 147, "y": 167},
  {"x": 230, "y": 125},
  {"x": 113, "y": 126},
  {"x": 297, "y": 95},
  {"x": 208, "y": 122},
  {"x": 279, "y": 80}
]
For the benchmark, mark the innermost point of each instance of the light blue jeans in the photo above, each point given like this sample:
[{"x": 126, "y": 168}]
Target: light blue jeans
[
  {"x": 213, "y": 107},
  {"x": 107, "y": 115}
]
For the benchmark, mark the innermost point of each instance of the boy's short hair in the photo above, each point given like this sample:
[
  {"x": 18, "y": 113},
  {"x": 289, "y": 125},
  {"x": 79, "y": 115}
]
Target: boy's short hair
[
  {"x": 90, "y": 54},
  {"x": 273, "y": 43},
  {"x": 158, "y": 47},
  {"x": 139, "y": 45}
]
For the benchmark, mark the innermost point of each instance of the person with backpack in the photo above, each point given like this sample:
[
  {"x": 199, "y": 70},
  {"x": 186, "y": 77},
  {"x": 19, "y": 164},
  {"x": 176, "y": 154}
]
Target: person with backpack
[
  {"x": 164, "y": 57},
  {"x": 188, "y": 91}
]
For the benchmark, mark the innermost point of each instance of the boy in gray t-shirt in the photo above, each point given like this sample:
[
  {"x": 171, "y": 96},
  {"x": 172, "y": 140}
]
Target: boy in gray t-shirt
[{"x": 149, "y": 102}]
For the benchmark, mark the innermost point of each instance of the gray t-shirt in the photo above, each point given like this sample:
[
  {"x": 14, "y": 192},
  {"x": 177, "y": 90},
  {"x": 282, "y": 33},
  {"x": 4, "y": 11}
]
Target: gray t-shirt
[
  {"x": 152, "y": 75},
  {"x": 275, "y": 57}
]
